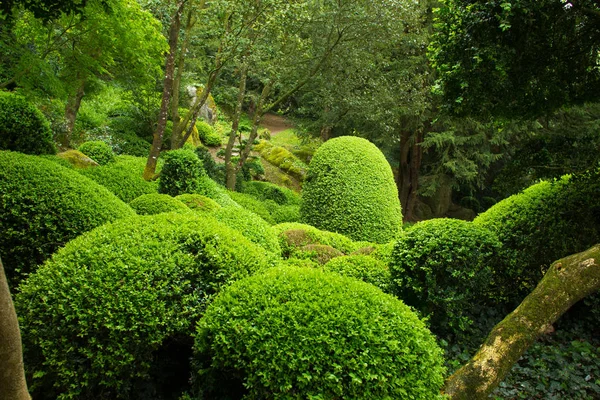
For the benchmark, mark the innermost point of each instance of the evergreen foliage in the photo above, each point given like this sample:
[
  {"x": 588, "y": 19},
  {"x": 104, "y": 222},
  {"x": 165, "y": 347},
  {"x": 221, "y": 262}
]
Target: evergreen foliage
[
  {"x": 350, "y": 189},
  {"x": 23, "y": 127},
  {"x": 296, "y": 333},
  {"x": 156, "y": 203},
  {"x": 197, "y": 202},
  {"x": 208, "y": 135},
  {"x": 269, "y": 191},
  {"x": 293, "y": 236},
  {"x": 365, "y": 268},
  {"x": 181, "y": 173},
  {"x": 43, "y": 206},
  {"x": 98, "y": 151},
  {"x": 124, "y": 302},
  {"x": 445, "y": 269}
]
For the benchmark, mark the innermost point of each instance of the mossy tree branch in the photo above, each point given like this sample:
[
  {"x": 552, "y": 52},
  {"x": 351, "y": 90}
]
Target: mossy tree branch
[
  {"x": 567, "y": 281},
  {"x": 12, "y": 374}
]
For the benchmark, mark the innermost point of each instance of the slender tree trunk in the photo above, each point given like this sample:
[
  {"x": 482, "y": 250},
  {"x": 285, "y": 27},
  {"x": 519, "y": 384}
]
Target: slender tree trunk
[
  {"x": 12, "y": 374},
  {"x": 411, "y": 155},
  {"x": 150, "y": 170},
  {"x": 176, "y": 134},
  {"x": 192, "y": 117},
  {"x": 72, "y": 108},
  {"x": 567, "y": 281},
  {"x": 229, "y": 167}
]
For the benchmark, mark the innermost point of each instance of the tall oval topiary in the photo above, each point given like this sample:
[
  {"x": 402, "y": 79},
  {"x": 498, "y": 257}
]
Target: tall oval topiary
[
  {"x": 350, "y": 189},
  {"x": 302, "y": 333},
  {"x": 44, "y": 205},
  {"x": 23, "y": 127},
  {"x": 112, "y": 314}
]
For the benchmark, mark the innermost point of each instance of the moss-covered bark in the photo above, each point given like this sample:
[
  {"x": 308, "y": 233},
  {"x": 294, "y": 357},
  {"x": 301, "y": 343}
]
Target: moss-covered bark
[
  {"x": 567, "y": 281},
  {"x": 12, "y": 374}
]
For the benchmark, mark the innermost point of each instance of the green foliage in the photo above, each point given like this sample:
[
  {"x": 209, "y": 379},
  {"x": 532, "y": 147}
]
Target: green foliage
[
  {"x": 124, "y": 302},
  {"x": 181, "y": 173},
  {"x": 43, "y": 206},
  {"x": 444, "y": 268},
  {"x": 319, "y": 253},
  {"x": 197, "y": 202},
  {"x": 156, "y": 203},
  {"x": 98, "y": 151},
  {"x": 123, "y": 177},
  {"x": 293, "y": 236},
  {"x": 268, "y": 210},
  {"x": 207, "y": 134},
  {"x": 365, "y": 268},
  {"x": 253, "y": 204},
  {"x": 268, "y": 191},
  {"x": 251, "y": 226},
  {"x": 283, "y": 159},
  {"x": 297, "y": 333},
  {"x": 210, "y": 166},
  {"x": 23, "y": 127},
  {"x": 350, "y": 189},
  {"x": 542, "y": 224}
]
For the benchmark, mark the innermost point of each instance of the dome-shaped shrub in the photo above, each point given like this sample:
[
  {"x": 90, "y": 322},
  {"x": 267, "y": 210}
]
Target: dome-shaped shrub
[
  {"x": 181, "y": 173},
  {"x": 98, "y": 151},
  {"x": 444, "y": 268},
  {"x": 350, "y": 189},
  {"x": 156, "y": 203},
  {"x": 251, "y": 226},
  {"x": 302, "y": 333},
  {"x": 269, "y": 191},
  {"x": 112, "y": 314},
  {"x": 208, "y": 135},
  {"x": 542, "y": 224},
  {"x": 197, "y": 202},
  {"x": 23, "y": 127},
  {"x": 365, "y": 268},
  {"x": 293, "y": 236},
  {"x": 124, "y": 177},
  {"x": 44, "y": 205}
]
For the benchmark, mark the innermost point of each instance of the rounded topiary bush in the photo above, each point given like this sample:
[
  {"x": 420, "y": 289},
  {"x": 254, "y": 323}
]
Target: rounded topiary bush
[
  {"x": 270, "y": 191},
  {"x": 197, "y": 202},
  {"x": 293, "y": 236},
  {"x": 182, "y": 173},
  {"x": 156, "y": 203},
  {"x": 23, "y": 127},
  {"x": 297, "y": 333},
  {"x": 542, "y": 224},
  {"x": 350, "y": 189},
  {"x": 445, "y": 268},
  {"x": 365, "y": 268},
  {"x": 253, "y": 204},
  {"x": 208, "y": 135},
  {"x": 251, "y": 226},
  {"x": 123, "y": 177},
  {"x": 98, "y": 151},
  {"x": 44, "y": 205},
  {"x": 112, "y": 314}
]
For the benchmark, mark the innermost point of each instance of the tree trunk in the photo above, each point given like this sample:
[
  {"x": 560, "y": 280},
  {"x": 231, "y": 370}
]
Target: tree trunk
[
  {"x": 567, "y": 281},
  {"x": 12, "y": 374},
  {"x": 192, "y": 117},
  {"x": 229, "y": 167},
  {"x": 176, "y": 134},
  {"x": 150, "y": 170},
  {"x": 71, "y": 110},
  {"x": 411, "y": 155}
]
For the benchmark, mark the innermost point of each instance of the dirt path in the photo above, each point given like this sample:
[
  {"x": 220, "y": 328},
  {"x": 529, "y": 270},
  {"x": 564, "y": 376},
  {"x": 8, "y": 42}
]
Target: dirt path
[{"x": 275, "y": 123}]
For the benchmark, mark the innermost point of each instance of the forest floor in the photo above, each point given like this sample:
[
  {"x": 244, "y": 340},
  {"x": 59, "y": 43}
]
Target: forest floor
[{"x": 275, "y": 123}]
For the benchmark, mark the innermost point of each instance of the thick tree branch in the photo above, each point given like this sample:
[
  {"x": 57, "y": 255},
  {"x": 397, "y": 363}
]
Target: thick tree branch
[{"x": 567, "y": 281}]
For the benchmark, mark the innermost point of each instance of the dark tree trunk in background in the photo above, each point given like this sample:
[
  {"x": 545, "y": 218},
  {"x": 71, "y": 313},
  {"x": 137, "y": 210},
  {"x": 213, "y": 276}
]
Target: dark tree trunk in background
[
  {"x": 567, "y": 281},
  {"x": 411, "y": 155},
  {"x": 12, "y": 374},
  {"x": 71, "y": 110}
]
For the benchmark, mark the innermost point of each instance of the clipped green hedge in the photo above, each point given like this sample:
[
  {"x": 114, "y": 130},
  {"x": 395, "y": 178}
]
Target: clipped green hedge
[
  {"x": 198, "y": 202},
  {"x": 445, "y": 268},
  {"x": 293, "y": 236},
  {"x": 350, "y": 189},
  {"x": 98, "y": 151},
  {"x": 124, "y": 177},
  {"x": 208, "y": 135},
  {"x": 283, "y": 159},
  {"x": 268, "y": 191},
  {"x": 113, "y": 313},
  {"x": 365, "y": 268},
  {"x": 182, "y": 173},
  {"x": 156, "y": 203},
  {"x": 251, "y": 226},
  {"x": 296, "y": 333},
  {"x": 44, "y": 205},
  {"x": 268, "y": 209},
  {"x": 542, "y": 224},
  {"x": 23, "y": 127}
]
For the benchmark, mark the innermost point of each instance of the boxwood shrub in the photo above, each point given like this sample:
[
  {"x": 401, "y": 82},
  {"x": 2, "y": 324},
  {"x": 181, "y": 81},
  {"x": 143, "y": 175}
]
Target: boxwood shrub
[
  {"x": 182, "y": 173},
  {"x": 444, "y": 268},
  {"x": 44, "y": 205},
  {"x": 365, "y": 268},
  {"x": 23, "y": 127},
  {"x": 112, "y": 314},
  {"x": 269, "y": 191},
  {"x": 251, "y": 226},
  {"x": 350, "y": 189},
  {"x": 293, "y": 236},
  {"x": 197, "y": 202},
  {"x": 156, "y": 203},
  {"x": 208, "y": 135},
  {"x": 542, "y": 224},
  {"x": 297, "y": 333},
  {"x": 98, "y": 151}
]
